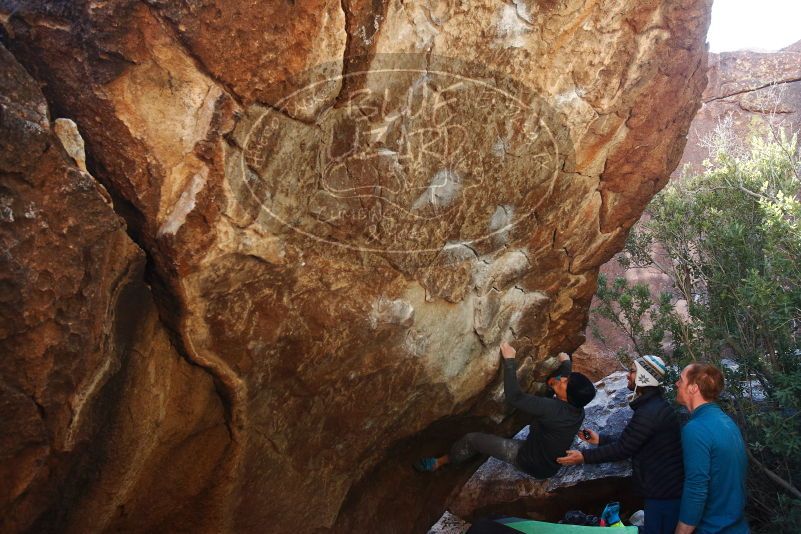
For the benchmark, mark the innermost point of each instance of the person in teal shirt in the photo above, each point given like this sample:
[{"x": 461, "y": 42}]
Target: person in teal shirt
[{"x": 715, "y": 460}]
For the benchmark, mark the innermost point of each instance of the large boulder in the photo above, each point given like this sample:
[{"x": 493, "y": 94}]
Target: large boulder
[
  {"x": 347, "y": 206},
  {"x": 103, "y": 421}
]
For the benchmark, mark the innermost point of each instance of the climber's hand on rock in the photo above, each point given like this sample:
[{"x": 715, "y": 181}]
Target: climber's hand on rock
[
  {"x": 563, "y": 357},
  {"x": 590, "y": 436},
  {"x": 571, "y": 458},
  {"x": 507, "y": 351}
]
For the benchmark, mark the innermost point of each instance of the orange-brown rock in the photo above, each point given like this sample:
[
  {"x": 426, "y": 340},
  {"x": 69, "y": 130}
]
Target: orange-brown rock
[
  {"x": 346, "y": 207},
  {"x": 104, "y": 424}
]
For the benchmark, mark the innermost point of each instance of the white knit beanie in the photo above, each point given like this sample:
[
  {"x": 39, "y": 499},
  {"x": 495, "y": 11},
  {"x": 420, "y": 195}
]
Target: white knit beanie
[{"x": 650, "y": 370}]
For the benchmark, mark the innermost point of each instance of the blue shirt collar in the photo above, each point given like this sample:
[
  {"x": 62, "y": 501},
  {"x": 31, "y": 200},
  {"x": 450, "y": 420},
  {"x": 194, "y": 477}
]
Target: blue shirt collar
[{"x": 704, "y": 408}]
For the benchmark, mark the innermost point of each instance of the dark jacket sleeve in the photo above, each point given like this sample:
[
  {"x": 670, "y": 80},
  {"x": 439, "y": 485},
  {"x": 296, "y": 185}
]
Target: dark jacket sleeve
[
  {"x": 637, "y": 432},
  {"x": 531, "y": 404},
  {"x": 605, "y": 439}
]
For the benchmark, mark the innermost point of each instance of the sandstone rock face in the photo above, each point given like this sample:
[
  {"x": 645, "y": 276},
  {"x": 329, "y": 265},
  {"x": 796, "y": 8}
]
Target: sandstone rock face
[
  {"x": 747, "y": 93},
  {"x": 347, "y": 206},
  {"x": 103, "y": 422},
  {"x": 497, "y": 487}
]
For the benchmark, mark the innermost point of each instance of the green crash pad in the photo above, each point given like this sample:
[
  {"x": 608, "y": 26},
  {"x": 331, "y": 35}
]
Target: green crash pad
[{"x": 529, "y": 526}]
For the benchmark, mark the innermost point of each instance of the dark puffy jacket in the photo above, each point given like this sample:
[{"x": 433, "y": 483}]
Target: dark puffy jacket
[
  {"x": 554, "y": 424},
  {"x": 652, "y": 440}
]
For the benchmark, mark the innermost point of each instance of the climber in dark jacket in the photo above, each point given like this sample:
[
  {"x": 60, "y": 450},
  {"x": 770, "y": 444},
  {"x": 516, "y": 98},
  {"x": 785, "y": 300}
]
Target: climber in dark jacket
[
  {"x": 652, "y": 439},
  {"x": 555, "y": 423}
]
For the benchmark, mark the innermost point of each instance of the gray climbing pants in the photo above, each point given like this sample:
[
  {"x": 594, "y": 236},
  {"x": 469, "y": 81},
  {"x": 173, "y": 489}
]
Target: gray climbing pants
[{"x": 479, "y": 443}]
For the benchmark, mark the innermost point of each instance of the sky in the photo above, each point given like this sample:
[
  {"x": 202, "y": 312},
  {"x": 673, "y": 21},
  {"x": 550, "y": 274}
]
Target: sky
[{"x": 764, "y": 25}]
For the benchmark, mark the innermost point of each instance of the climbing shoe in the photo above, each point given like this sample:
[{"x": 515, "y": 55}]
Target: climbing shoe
[
  {"x": 610, "y": 517},
  {"x": 425, "y": 464}
]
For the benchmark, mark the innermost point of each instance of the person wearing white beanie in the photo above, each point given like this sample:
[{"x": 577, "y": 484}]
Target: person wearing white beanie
[
  {"x": 652, "y": 439},
  {"x": 650, "y": 371}
]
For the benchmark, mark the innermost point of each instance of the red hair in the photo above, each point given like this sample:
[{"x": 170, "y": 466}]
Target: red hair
[{"x": 708, "y": 378}]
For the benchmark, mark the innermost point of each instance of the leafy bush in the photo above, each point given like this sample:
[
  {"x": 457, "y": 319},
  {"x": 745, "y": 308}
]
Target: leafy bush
[{"x": 729, "y": 240}]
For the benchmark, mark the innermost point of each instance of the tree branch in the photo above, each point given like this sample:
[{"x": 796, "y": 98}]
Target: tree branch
[{"x": 792, "y": 490}]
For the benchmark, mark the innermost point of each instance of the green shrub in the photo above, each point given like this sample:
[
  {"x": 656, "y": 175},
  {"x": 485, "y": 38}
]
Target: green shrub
[{"x": 729, "y": 240}]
